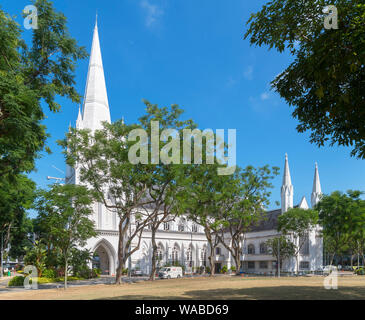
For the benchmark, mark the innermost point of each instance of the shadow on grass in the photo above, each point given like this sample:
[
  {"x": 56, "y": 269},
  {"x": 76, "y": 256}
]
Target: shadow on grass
[{"x": 261, "y": 293}]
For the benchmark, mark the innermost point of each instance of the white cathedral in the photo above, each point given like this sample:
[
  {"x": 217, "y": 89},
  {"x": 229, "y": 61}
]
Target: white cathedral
[{"x": 183, "y": 241}]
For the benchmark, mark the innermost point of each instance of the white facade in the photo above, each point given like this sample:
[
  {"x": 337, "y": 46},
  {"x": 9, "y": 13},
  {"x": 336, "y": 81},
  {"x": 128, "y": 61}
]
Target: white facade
[{"x": 181, "y": 240}]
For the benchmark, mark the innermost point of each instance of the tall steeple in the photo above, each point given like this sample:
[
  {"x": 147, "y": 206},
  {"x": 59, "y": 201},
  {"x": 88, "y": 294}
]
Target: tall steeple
[
  {"x": 96, "y": 107},
  {"x": 287, "y": 190},
  {"x": 79, "y": 120},
  {"x": 317, "y": 191}
]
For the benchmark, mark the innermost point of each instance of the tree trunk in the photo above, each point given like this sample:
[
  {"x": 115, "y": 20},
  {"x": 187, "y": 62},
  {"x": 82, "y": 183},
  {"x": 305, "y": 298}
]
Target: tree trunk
[
  {"x": 237, "y": 261},
  {"x": 211, "y": 255},
  {"x": 358, "y": 260},
  {"x": 66, "y": 273},
  {"x": 211, "y": 261},
  {"x": 297, "y": 260},
  {"x": 154, "y": 254},
  {"x": 118, "y": 279},
  {"x": 331, "y": 261}
]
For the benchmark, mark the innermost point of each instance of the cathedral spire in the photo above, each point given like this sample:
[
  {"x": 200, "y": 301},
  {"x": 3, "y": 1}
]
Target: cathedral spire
[
  {"x": 317, "y": 191},
  {"x": 287, "y": 190},
  {"x": 79, "y": 120},
  {"x": 286, "y": 177},
  {"x": 96, "y": 106}
]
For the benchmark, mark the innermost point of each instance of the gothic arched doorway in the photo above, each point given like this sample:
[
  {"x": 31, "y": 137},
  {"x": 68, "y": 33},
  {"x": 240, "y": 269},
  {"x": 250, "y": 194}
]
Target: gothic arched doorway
[{"x": 104, "y": 257}]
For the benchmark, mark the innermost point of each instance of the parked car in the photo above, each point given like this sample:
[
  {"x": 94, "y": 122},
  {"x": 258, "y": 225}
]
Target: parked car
[
  {"x": 170, "y": 272},
  {"x": 347, "y": 268},
  {"x": 136, "y": 273},
  {"x": 328, "y": 269}
]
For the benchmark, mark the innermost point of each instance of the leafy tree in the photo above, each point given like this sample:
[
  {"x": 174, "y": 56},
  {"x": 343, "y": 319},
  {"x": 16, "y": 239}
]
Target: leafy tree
[
  {"x": 165, "y": 180},
  {"x": 243, "y": 206},
  {"x": 20, "y": 237},
  {"x": 325, "y": 81},
  {"x": 203, "y": 192},
  {"x": 30, "y": 75},
  {"x": 102, "y": 159},
  {"x": 64, "y": 211},
  {"x": 342, "y": 217},
  {"x": 16, "y": 196},
  {"x": 80, "y": 262},
  {"x": 281, "y": 248},
  {"x": 297, "y": 223},
  {"x": 36, "y": 256}
]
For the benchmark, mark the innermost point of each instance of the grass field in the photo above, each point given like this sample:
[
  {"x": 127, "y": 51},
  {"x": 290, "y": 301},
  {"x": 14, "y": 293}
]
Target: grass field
[{"x": 207, "y": 288}]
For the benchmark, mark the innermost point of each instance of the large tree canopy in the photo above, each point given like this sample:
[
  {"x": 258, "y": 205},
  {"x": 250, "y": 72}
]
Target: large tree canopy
[
  {"x": 16, "y": 197},
  {"x": 325, "y": 82},
  {"x": 342, "y": 217},
  {"x": 28, "y": 76}
]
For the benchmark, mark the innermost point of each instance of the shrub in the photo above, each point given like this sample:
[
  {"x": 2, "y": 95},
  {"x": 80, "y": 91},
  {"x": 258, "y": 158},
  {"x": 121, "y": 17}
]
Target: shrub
[
  {"x": 207, "y": 269},
  {"x": 84, "y": 273},
  {"x": 96, "y": 272},
  {"x": 125, "y": 271},
  {"x": 360, "y": 271},
  {"x": 224, "y": 269},
  {"x": 80, "y": 263},
  {"x": 49, "y": 273},
  {"x": 233, "y": 268},
  {"x": 16, "y": 281}
]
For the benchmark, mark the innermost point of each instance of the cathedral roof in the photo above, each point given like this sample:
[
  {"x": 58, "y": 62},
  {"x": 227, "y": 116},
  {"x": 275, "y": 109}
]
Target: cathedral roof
[{"x": 269, "y": 221}]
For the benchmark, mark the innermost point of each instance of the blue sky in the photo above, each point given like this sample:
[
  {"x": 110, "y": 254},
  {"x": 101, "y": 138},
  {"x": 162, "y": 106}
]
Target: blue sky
[{"x": 192, "y": 53}]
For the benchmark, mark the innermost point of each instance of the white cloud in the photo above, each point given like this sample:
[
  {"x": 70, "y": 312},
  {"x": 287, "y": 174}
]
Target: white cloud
[
  {"x": 248, "y": 73},
  {"x": 153, "y": 12}
]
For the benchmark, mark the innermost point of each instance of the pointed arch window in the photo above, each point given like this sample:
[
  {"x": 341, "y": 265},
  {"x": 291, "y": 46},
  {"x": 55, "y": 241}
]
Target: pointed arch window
[
  {"x": 251, "y": 249},
  {"x": 263, "y": 248},
  {"x": 159, "y": 253},
  {"x": 175, "y": 254}
]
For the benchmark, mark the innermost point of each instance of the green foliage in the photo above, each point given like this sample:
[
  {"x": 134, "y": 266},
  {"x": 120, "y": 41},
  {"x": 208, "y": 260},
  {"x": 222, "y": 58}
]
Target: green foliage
[
  {"x": 325, "y": 81},
  {"x": 96, "y": 272},
  {"x": 281, "y": 247},
  {"x": 17, "y": 281},
  {"x": 243, "y": 204},
  {"x": 36, "y": 256},
  {"x": 49, "y": 273},
  {"x": 125, "y": 271},
  {"x": 66, "y": 223},
  {"x": 80, "y": 263},
  {"x": 297, "y": 221},
  {"x": 342, "y": 217},
  {"x": 105, "y": 154},
  {"x": 360, "y": 271},
  {"x": 30, "y": 75},
  {"x": 16, "y": 196},
  {"x": 207, "y": 269},
  {"x": 233, "y": 268},
  {"x": 224, "y": 269}
]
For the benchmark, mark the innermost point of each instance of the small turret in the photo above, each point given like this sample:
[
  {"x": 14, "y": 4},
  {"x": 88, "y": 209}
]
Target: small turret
[
  {"x": 287, "y": 190},
  {"x": 317, "y": 191}
]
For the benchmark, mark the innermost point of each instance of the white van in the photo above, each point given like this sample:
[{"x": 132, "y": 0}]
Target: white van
[{"x": 170, "y": 272}]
